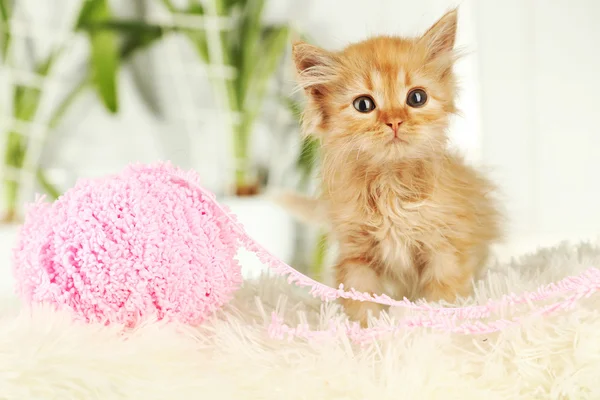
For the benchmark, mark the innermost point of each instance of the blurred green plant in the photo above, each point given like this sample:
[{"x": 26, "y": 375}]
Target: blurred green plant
[
  {"x": 306, "y": 164},
  {"x": 253, "y": 48},
  {"x": 108, "y": 50}
]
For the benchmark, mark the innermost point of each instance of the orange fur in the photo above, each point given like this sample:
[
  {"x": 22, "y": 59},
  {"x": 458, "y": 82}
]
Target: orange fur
[{"x": 404, "y": 210}]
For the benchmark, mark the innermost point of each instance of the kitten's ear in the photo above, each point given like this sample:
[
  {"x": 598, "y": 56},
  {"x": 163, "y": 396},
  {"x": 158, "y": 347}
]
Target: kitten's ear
[
  {"x": 440, "y": 38},
  {"x": 315, "y": 66},
  {"x": 307, "y": 56}
]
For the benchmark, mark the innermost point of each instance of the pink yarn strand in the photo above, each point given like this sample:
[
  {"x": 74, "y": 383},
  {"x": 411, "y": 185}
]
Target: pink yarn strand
[{"x": 463, "y": 320}]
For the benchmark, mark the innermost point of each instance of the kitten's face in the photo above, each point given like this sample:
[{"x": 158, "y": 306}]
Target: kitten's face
[{"x": 385, "y": 98}]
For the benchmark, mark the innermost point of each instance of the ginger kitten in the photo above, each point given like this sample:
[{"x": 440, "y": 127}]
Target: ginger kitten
[{"x": 407, "y": 213}]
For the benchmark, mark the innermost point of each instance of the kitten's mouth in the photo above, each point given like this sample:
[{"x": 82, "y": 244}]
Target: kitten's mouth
[{"x": 397, "y": 140}]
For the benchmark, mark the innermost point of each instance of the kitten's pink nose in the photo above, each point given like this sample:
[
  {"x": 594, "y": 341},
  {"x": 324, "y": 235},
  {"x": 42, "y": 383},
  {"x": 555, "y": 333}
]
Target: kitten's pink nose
[{"x": 394, "y": 125}]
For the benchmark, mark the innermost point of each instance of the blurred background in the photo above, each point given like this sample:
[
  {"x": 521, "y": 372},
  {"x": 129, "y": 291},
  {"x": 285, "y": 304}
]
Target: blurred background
[{"x": 88, "y": 86}]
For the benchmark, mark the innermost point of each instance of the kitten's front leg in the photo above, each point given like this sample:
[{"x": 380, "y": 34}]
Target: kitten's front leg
[
  {"x": 447, "y": 275},
  {"x": 359, "y": 274}
]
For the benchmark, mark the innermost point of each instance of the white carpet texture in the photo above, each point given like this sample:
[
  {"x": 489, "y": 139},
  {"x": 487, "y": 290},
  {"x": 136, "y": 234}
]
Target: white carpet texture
[{"x": 43, "y": 355}]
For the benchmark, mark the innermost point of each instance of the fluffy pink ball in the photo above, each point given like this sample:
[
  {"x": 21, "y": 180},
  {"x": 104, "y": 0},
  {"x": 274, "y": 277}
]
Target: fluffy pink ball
[{"x": 145, "y": 243}]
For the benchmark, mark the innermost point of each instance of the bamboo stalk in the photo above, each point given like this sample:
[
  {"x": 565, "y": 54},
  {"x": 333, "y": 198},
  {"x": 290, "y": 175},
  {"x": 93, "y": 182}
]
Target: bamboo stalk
[
  {"x": 254, "y": 57},
  {"x": 12, "y": 160}
]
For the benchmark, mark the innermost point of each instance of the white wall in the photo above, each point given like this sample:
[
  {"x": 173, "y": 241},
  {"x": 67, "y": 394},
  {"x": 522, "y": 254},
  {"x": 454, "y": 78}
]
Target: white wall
[{"x": 539, "y": 63}]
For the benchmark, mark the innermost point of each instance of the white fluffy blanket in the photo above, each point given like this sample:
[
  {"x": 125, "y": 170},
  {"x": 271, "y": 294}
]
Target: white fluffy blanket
[{"x": 43, "y": 355}]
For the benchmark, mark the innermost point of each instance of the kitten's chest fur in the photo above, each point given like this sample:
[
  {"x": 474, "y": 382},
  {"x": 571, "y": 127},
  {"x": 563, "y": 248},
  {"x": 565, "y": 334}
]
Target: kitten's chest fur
[
  {"x": 393, "y": 209},
  {"x": 398, "y": 223}
]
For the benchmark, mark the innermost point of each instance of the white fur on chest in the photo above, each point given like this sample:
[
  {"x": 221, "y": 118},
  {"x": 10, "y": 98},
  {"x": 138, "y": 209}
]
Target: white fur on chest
[{"x": 398, "y": 233}]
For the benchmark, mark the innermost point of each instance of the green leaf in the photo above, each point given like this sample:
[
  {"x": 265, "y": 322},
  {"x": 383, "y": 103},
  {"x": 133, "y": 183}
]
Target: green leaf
[
  {"x": 319, "y": 257},
  {"x": 104, "y": 55},
  {"x": 271, "y": 50},
  {"x": 87, "y": 12},
  {"x": 105, "y": 63},
  {"x": 198, "y": 37},
  {"x": 169, "y": 5},
  {"x": 309, "y": 153},
  {"x": 228, "y": 5},
  {"x": 249, "y": 54},
  {"x": 270, "y": 54},
  {"x": 136, "y": 36},
  {"x": 5, "y": 13},
  {"x": 195, "y": 9},
  {"x": 45, "y": 183},
  {"x": 293, "y": 106},
  {"x": 26, "y": 98}
]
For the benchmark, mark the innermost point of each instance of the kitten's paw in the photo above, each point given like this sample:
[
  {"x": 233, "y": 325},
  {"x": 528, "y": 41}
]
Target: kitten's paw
[
  {"x": 360, "y": 311},
  {"x": 449, "y": 292}
]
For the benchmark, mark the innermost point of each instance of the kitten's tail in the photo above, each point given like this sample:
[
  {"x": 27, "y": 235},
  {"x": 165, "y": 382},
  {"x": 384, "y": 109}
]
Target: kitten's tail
[{"x": 307, "y": 209}]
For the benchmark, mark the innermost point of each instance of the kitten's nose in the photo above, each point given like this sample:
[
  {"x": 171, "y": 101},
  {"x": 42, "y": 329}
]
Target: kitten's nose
[{"x": 394, "y": 125}]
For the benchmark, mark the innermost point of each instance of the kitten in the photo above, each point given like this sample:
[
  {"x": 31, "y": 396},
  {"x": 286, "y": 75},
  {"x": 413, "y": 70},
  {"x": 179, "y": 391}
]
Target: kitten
[{"x": 407, "y": 213}]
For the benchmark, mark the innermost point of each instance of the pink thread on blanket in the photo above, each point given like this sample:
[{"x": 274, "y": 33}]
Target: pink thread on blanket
[
  {"x": 471, "y": 320},
  {"x": 462, "y": 320}
]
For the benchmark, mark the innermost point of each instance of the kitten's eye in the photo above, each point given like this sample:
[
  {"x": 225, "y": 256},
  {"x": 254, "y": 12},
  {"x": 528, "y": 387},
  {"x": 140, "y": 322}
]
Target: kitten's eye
[
  {"x": 416, "y": 98},
  {"x": 364, "y": 104}
]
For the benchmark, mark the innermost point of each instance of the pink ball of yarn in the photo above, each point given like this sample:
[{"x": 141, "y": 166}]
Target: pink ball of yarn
[{"x": 145, "y": 243}]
